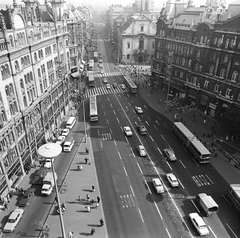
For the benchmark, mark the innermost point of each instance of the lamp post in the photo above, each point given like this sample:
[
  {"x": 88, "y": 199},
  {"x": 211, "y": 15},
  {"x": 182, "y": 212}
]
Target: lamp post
[{"x": 50, "y": 151}]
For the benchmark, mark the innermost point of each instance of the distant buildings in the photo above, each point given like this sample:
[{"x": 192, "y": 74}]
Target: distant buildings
[
  {"x": 39, "y": 46},
  {"x": 197, "y": 55}
]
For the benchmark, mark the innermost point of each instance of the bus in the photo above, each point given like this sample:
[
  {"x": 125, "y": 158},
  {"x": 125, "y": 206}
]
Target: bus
[
  {"x": 200, "y": 152},
  {"x": 91, "y": 65},
  {"x": 95, "y": 56},
  {"x": 233, "y": 195},
  {"x": 93, "y": 115},
  {"x": 130, "y": 84}
]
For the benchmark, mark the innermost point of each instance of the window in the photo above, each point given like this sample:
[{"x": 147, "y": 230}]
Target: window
[
  {"x": 216, "y": 88},
  {"x": 194, "y": 81},
  {"x": 219, "y": 42},
  {"x": 228, "y": 92},
  {"x": 153, "y": 45},
  {"x": 141, "y": 44},
  {"x": 225, "y": 59},
  {"x": 189, "y": 63},
  {"x": 206, "y": 84},
  {"x": 222, "y": 73},
  {"x": 17, "y": 66},
  {"x": 226, "y": 43},
  {"x": 200, "y": 68},
  {"x": 213, "y": 56},
  {"x": 181, "y": 74},
  {"x": 196, "y": 67},
  {"x": 128, "y": 45},
  {"x": 234, "y": 76},
  {"x": 211, "y": 69},
  {"x": 215, "y": 41},
  {"x": 142, "y": 28},
  {"x": 232, "y": 43},
  {"x": 128, "y": 56},
  {"x": 183, "y": 62},
  {"x": 198, "y": 54},
  {"x": 11, "y": 40}
]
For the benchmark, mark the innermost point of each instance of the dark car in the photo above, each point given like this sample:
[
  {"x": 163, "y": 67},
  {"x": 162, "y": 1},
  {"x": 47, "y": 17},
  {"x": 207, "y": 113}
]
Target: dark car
[
  {"x": 40, "y": 175},
  {"x": 27, "y": 197},
  {"x": 142, "y": 129}
]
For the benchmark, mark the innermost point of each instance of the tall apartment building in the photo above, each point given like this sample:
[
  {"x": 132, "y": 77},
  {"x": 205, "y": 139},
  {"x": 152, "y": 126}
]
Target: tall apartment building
[
  {"x": 35, "y": 85},
  {"x": 197, "y": 56}
]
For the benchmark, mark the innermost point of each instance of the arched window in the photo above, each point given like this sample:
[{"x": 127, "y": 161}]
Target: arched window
[
  {"x": 196, "y": 66},
  {"x": 183, "y": 61},
  {"x": 11, "y": 90},
  {"x": 205, "y": 39},
  {"x": 32, "y": 36},
  {"x": 215, "y": 41},
  {"x": 189, "y": 63},
  {"x": 219, "y": 41},
  {"x": 225, "y": 59},
  {"x": 11, "y": 41},
  {"x": 234, "y": 76},
  {"x": 35, "y": 57},
  {"x": 222, "y": 72},
  {"x": 22, "y": 62},
  {"x": 226, "y": 43},
  {"x": 181, "y": 74},
  {"x": 21, "y": 83},
  {"x": 39, "y": 73},
  {"x": 31, "y": 76},
  {"x": 7, "y": 91},
  {"x": 211, "y": 69},
  {"x": 201, "y": 39},
  {"x": 142, "y": 28},
  {"x": 16, "y": 66},
  {"x": 7, "y": 70},
  {"x": 28, "y": 60}
]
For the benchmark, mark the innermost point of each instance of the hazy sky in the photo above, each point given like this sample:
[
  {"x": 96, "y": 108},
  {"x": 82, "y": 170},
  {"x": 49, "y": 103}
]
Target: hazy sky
[{"x": 158, "y": 3}]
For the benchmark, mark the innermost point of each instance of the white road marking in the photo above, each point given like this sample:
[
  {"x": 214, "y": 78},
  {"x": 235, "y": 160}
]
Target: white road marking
[
  {"x": 140, "y": 214},
  {"x": 181, "y": 184},
  {"x": 115, "y": 142},
  {"x": 159, "y": 151},
  {"x": 108, "y": 99},
  {"x": 155, "y": 127},
  {"x": 118, "y": 120},
  {"x": 158, "y": 210},
  {"x": 139, "y": 168},
  {"x": 212, "y": 231},
  {"x": 114, "y": 112},
  {"x": 145, "y": 106},
  {"x": 126, "y": 107},
  {"x": 129, "y": 104},
  {"x": 98, "y": 132},
  {"x": 169, "y": 165},
  {"x": 110, "y": 130},
  {"x": 107, "y": 121},
  {"x": 195, "y": 205},
  {"x": 157, "y": 122},
  {"x": 182, "y": 164},
  {"x": 163, "y": 137},
  {"x": 232, "y": 231},
  {"x": 148, "y": 118},
  {"x": 104, "y": 113},
  {"x": 110, "y": 104},
  {"x": 151, "y": 138},
  {"x": 168, "y": 233},
  {"x": 165, "y": 125},
  {"x": 101, "y": 144},
  {"x": 119, "y": 155},
  {"x": 147, "y": 186},
  {"x": 209, "y": 178},
  {"x": 132, "y": 190},
  {"x": 132, "y": 152},
  {"x": 147, "y": 123},
  {"x": 125, "y": 171},
  {"x": 127, "y": 139},
  {"x": 125, "y": 98}
]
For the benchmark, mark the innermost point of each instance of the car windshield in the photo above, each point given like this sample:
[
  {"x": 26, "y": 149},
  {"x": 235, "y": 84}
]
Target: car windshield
[{"x": 11, "y": 220}]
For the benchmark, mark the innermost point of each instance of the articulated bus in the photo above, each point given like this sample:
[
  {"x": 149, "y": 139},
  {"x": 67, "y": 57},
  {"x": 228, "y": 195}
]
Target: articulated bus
[
  {"x": 91, "y": 65},
  {"x": 233, "y": 195},
  {"x": 93, "y": 115},
  {"x": 200, "y": 152},
  {"x": 130, "y": 84}
]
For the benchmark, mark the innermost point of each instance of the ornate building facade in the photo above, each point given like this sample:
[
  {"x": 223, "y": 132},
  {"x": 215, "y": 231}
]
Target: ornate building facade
[
  {"x": 205, "y": 42},
  {"x": 35, "y": 88}
]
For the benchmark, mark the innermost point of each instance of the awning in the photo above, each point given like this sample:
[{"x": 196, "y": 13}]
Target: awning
[
  {"x": 76, "y": 74},
  {"x": 81, "y": 66}
]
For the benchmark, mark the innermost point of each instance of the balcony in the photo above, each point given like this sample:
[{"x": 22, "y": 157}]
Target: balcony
[
  {"x": 192, "y": 85},
  {"x": 226, "y": 98}
]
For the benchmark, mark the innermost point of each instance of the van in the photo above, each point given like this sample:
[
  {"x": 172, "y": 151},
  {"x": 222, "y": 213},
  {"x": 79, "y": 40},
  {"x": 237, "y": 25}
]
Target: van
[
  {"x": 207, "y": 203},
  {"x": 68, "y": 145},
  {"x": 48, "y": 183},
  {"x": 71, "y": 122}
]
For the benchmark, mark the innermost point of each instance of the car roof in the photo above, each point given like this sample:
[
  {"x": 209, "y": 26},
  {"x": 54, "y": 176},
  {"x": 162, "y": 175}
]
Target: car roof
[
  {"x": 157, "y": 181},
  {"x": 172, "y": 176},
  {"x": 15, "y": 213},
  {"x": 127, "y": 127},
  {"x": 141, "y": 147},
  {"x": 197, "y": 218}
]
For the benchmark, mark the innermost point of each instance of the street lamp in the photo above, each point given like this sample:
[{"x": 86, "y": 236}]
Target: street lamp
[{"x": 50, "y": 151}]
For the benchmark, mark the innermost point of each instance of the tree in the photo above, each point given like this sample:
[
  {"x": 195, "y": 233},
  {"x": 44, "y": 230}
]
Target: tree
[{"x": 230, "y": 120}]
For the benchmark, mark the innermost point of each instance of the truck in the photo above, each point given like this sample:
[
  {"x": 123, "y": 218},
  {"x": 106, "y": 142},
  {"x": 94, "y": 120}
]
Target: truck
[
  {"x": 95, "y": 56},
  {"x": 48, "y": 184},
  {"x": 206, "y": 202}
]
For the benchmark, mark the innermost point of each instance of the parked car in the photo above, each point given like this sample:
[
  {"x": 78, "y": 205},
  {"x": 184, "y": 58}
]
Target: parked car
[
  {"x": 158, "y": 185},
  {"x": 138, "y": 110},
  {"x": 141, "y": 150},
  {"x": 115, "y": 85},
  {"x": 127, "y": 130},
  {"x": 172, "y": 179},
  {"x": 142, "y": 129},
  {"x": 65, "y": 132},
  {"x": 13, "y": 220},
  {"x": 170, "y": 154},
  {"x": 60, "y": 140},
  {"x": 48, "y": 163},
  {"x": 108, "y": 86},
  {"x": 105, "y": 80},
  {"x": 199, "y": 224},
  {"x": 27, "y": 197}
]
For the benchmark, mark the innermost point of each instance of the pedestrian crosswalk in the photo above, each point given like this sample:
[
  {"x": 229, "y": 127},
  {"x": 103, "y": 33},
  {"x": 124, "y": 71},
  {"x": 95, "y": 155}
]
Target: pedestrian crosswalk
[
  {"x": 103, "y": 90},
  {"x": 108, "y": 74}
]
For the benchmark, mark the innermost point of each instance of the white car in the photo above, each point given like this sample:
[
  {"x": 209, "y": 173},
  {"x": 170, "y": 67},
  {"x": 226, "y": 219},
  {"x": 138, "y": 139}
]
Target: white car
[
  {"x": 199, "y": 224},
  {"x": 65, "y": 132},
  {"x": 138, "y": 110},
  {"x": 172, "y": 179},
  {"x": 48, "y": 163},
  {"x": 127, "y": 131},
  {"x": 60, "y": 140},
  {"x": 170, "y": 154},
  {"x": 13, "y": 220},
  {"x": 108, "y": 86},
  {"x": 141, "y": 150},
  {"x": 158, "y": 185},
  {"x": 123, "y": 86},
  {"x": 105, "y": 80}
]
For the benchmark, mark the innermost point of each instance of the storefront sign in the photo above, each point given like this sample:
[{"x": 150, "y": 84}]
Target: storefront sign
[{"x": 213, "y": 106}]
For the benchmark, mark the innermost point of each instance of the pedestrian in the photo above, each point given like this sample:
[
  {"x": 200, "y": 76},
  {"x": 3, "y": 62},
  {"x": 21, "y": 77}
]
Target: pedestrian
[
  {"x": 89, "y": 160},
  {"x": 86, "y": 160},
  {"x": 98, "y": 199},
  {"x": 5, "y": 206},
  {"x": 87, "y": 196},
  {"x": 86, "y": 150},
  {"x": 80, "y": 199},
  {"x": 93, "y": 188},
  {"x": 101, "y": 222},
  {"x": 93, "y": 231},
  {"x": 204, "y": 121},
  {"x": 70, "y": 234},
  {"x": 88, "y": 208}
]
